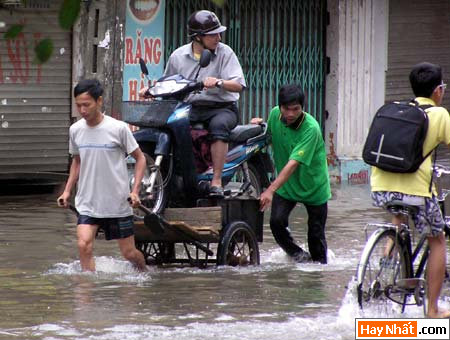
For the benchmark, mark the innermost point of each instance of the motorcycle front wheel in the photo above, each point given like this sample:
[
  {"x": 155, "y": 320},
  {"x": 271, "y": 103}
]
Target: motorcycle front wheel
[{"x": 156, "y": 198}]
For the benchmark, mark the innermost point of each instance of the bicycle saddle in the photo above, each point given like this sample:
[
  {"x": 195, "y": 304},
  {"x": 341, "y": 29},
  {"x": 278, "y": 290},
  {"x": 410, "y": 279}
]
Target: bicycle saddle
[{"x": 396, "y": 207}]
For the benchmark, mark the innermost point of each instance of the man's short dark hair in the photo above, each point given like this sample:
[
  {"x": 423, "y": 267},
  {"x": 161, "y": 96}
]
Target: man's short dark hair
[
  {"x": 291, "y": 94},
  {"x": 91, "y": 86},
  {"x": 424, "y": 79}
]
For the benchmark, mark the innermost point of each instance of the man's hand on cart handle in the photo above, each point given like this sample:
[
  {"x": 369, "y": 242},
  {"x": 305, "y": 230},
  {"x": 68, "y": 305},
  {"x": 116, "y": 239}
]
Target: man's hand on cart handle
[
  {"x": 63, "y": 200},
  {"x": 134, "y": 200},
  {"x": 65, "y": 204}
]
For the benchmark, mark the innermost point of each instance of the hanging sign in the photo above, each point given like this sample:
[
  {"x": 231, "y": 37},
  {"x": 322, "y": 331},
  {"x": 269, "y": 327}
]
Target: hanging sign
[{"x": 144, "y": 38}]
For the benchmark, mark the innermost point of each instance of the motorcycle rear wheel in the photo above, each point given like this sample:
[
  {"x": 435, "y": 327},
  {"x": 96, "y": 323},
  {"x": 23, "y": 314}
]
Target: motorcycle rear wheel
[{"x": 255, "y": 189}]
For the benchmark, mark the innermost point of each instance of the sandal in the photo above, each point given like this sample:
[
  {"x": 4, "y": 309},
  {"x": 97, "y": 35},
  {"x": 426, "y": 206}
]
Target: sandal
[{"x": 216, "y": 192}]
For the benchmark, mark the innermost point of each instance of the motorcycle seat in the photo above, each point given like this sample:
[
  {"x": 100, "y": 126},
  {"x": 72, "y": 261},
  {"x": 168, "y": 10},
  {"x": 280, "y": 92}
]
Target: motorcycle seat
[
  {"x": 198, "y": 126},
  {"x": 239, "y": 134},
  {"x": 243, "y": 132}
]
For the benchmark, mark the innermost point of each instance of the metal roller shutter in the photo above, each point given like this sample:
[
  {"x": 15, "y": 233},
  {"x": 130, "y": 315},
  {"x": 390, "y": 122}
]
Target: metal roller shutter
[
  {"x": 35, "y": 100},
  {"x": 418, "y": 31},
  {"x": 277, "y": 42}
]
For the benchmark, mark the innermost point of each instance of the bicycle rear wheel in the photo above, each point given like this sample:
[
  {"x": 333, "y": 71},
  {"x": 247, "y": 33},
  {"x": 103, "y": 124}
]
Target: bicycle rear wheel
[{"x": 384, "y": 263}]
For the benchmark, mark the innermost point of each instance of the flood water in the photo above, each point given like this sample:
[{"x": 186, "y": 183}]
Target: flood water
[{"x": 43, "y": 294}]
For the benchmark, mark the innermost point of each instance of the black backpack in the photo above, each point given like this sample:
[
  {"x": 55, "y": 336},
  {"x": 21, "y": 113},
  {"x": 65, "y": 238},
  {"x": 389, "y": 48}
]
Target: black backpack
[{"x": 396, "y": 136}]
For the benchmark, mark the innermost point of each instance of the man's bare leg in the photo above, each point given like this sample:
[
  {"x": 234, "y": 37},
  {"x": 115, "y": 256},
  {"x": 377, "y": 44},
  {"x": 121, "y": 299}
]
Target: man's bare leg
[
  {"x": 129, "y": 252},
  {"x": 219, "y": 151},
  {"x": 86, "y": 235},
  {"x": 436, "y": 275}
]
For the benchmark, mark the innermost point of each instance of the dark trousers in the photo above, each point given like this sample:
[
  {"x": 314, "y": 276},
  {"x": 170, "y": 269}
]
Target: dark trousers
[
  {"x": 317, "y": 217},
  {"x": 219, "y": 118}
]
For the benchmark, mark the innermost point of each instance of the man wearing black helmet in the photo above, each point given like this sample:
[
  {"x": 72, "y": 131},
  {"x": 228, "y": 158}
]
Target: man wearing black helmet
[{"x": 223, "y": 79}]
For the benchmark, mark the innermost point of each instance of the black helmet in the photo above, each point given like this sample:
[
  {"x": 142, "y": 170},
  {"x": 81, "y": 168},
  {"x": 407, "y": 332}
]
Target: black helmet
[{"x": 204, "y": 22}]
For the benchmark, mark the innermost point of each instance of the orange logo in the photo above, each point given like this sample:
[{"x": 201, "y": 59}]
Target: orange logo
[{"x": 386, "y": 328}]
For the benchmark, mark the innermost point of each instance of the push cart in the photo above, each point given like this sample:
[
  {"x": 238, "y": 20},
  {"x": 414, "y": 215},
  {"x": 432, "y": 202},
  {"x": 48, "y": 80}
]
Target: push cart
[{"x": 225, "y": 234}]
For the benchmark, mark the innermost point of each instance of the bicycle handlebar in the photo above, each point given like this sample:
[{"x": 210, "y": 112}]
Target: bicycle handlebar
[{"x": 440, "y": 170}]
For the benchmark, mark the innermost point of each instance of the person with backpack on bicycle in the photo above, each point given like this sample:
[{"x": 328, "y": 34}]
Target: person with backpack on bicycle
[
  {"x": 414, "y": 188},
  {"x": 223, "y": 79},
  {"x": 301, "y": 164}
]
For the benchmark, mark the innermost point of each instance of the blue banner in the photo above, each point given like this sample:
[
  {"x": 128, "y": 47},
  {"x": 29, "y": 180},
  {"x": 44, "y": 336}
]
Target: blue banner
[{"x": 144, "y": 38}]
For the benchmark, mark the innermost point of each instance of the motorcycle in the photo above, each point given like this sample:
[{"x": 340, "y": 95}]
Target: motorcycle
[{"x": 164, "y": 135}]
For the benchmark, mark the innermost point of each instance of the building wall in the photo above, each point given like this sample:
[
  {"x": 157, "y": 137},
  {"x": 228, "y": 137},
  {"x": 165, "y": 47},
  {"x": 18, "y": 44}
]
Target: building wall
[
  {"x": 357, "y": 47},
  {"x": 98, "y": 49}
]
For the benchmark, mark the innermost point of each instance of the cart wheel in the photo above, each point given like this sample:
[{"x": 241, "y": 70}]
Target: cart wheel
[
  {"x": 238, "y": 246},
  {"x": 156, "y": 253}
]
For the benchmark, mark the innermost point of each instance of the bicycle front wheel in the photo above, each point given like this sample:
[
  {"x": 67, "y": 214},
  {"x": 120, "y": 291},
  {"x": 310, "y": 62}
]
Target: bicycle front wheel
[{"x": 384, "y": 263}]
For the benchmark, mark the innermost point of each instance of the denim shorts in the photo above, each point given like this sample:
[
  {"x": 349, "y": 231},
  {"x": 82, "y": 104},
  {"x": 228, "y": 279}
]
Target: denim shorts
[
  {"x": 114, "y": 228},
  {"x": 429, "y": 217}
]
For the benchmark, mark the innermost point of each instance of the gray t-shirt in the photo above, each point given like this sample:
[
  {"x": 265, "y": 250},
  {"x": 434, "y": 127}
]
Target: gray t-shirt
[
  {"x": 103, "y": 186},
  {"x": 224, "y": 65}
]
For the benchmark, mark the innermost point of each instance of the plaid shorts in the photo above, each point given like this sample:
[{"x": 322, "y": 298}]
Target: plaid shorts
[
  {"x": 114, "y": 228},
  {"x": 429, "y": 217}
]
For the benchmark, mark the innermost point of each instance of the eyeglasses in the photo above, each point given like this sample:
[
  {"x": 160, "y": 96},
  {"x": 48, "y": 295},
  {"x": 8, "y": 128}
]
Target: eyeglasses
[{"x": 443, "y": 86}]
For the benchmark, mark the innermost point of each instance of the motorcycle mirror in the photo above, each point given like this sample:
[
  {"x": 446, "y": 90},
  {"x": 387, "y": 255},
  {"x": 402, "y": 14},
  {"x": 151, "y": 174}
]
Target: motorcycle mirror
[
  {"x": 143, "y": 66},
  {"x": 205, "y": 58}
]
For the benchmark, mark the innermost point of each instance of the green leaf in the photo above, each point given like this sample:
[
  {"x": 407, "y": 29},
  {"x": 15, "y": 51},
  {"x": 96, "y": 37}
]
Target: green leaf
[
  {"x": 13, "y": 31},
  {"x": 68, "y": 13},
  {"x": 43, "y": 50},
  {"x": 219, "y": 3}
]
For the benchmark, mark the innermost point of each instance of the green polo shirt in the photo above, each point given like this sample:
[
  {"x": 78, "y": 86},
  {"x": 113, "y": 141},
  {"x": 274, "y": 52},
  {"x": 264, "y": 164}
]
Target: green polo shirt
[{"x": 302, "y": 142}]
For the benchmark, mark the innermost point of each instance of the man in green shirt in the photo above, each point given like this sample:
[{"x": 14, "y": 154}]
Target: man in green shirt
[{"x": 300, "y": 161}]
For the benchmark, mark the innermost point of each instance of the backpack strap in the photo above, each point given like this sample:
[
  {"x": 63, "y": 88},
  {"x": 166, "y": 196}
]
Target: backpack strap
[
  {"x": 432, "y": 169},
  {"x": 425, "y": 107}
]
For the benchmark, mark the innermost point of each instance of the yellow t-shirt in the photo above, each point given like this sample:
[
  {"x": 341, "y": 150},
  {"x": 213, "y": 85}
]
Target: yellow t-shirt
[{"x": 417, "y": 183}]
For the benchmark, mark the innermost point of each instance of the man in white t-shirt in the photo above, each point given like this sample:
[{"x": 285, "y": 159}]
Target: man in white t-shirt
[{"x": 99, "y": 145}]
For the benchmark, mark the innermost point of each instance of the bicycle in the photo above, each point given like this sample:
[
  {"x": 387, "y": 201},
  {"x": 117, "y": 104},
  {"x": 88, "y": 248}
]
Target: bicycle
[{"x": 391, "y": 267}]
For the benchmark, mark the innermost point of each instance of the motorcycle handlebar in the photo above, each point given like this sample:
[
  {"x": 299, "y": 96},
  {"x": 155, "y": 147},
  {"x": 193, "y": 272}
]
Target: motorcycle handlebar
[
  {"x": 191, "y": 87},
  {"x": 196, "y": 86}
]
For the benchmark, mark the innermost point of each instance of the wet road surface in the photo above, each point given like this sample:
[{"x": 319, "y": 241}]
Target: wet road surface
[{"x": 43, "y": 294}]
